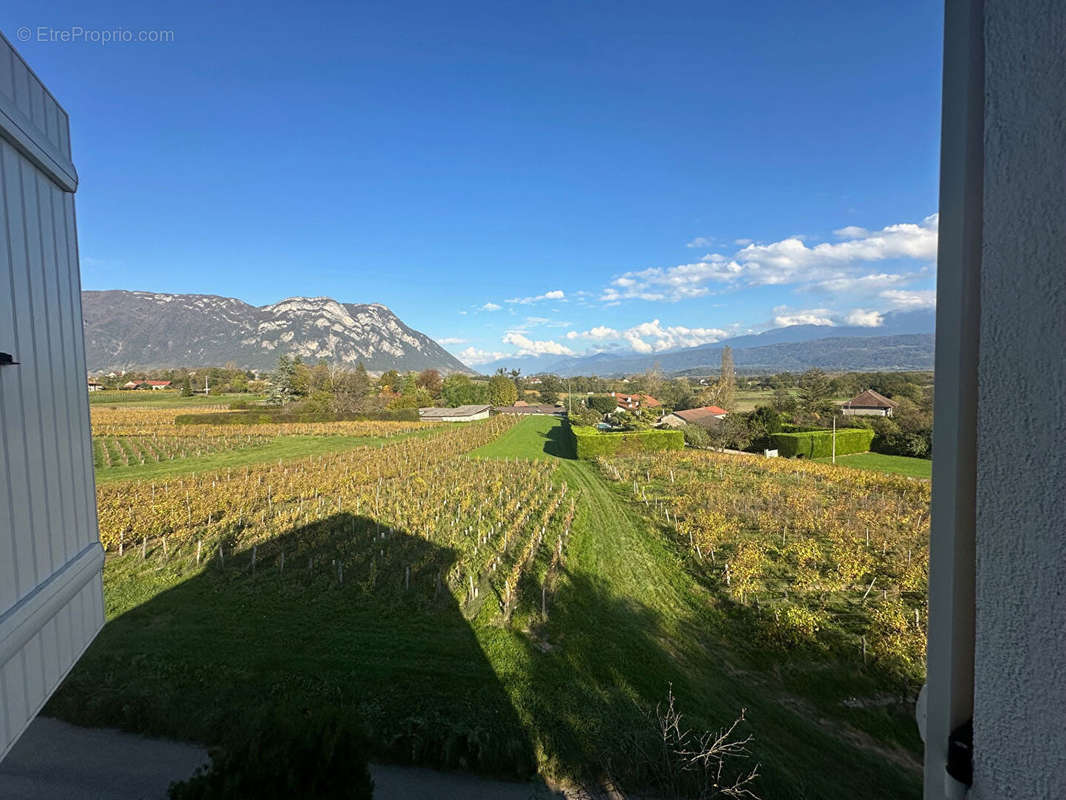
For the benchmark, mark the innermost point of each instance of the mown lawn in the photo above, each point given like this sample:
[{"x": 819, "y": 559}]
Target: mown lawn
[
  {"x": 879, "y": 462},
  {"x": 192, "y": 655}
]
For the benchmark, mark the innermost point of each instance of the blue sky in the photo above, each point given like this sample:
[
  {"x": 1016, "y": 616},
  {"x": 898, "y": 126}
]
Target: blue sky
[{"x": 510, "y": 177}]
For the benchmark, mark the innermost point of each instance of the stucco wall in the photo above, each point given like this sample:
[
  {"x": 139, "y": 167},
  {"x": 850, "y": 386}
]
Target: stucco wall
[{"x": 1020, "y": 694}]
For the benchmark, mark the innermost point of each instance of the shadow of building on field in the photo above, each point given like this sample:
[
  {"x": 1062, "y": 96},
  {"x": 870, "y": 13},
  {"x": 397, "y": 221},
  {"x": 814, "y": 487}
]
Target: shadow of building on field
[
  {"x": 339, "y": 615},
  {"x": 559, "y": 442}
]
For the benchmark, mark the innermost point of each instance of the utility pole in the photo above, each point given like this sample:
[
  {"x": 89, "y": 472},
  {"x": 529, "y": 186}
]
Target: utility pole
[
  {"x": 207, "y": 389},
  {"x": 834, "y": 436},
  {"x": 569, "y": 398}
]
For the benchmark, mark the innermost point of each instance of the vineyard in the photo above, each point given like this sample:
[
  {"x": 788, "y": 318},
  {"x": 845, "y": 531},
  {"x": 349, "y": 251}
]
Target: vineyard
[
  {"x": 493, "y": 524},
  {"x": 822, "y": 557},
  {"x": 115, "y": 451},
  {"x": 475, "y": 598},
  {"x": 107, "y": 421}
]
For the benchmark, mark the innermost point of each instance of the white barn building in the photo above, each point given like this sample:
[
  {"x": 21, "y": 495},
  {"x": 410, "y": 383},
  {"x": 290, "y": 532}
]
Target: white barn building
[{"x": 51, "y": 597}]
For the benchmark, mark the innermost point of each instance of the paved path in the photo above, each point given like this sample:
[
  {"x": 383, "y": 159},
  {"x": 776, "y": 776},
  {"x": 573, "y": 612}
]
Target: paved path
[{"x": 57, "y": 761}]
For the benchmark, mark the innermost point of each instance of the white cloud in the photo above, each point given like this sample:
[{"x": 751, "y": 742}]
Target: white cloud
[
  {"x": 810, "y": 316},
  {"x": 741, "y": 242},
  {"x": 700, "y": 241},
  {"x": 851, "y": 232},
  {"x": 530, "y": 347},
  {"x": 446, "y": 340},
  {"x": 651, "y": 337},
  {"x": 547, "y": 322},
  {"x": 473, "y": 355},
  {"x": 788, "y": 261},
  {"x": 491, "y": 307},
  {"x": 599, "y": 333},
  {"x": 671, "y": 283},
  {"x": 863, "y": 284},
  {"x": 909, "y": 300},
  {"x": 554, "y": 294},
  {"x": 864, "y": 319}
]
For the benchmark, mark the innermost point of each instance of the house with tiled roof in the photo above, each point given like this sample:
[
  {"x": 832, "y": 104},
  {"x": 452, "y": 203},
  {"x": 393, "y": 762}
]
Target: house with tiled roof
[
  {"x": 633, "y": 402},
  {"x": 705, "y": 417},
  {"x": 868, "y": 404}
]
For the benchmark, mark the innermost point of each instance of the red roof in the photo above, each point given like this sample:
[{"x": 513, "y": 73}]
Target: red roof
[
  {"x": 695, "y": 415},
  {"x": 158, "y": 383},
  {"x": 631, "y": 401}
]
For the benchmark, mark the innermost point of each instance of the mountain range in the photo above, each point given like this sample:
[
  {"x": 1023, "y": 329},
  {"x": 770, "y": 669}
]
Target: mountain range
[
  {"x": 904, "y": 341},
  {"x": 145, "y": 330}
]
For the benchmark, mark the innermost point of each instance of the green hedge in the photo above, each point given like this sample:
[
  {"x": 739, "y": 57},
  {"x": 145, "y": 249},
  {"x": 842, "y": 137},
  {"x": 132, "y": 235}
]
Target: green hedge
[
  {"x": 590, "y": 443},
  {"x": 273, "y": 416},
  {"x": 819, "y": 444}
]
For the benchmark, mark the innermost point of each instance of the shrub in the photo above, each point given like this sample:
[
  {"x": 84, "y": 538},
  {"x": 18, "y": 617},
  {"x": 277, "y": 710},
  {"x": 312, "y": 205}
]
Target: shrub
[
  {"x": 283, "y": 756},
  {"x": 819, "y": 444},
  {"x": 695, "y": 436},
  {"x": 591, "y": 443},
  {"x": 605, "y": 404},
  {"x": 273, "y": 416}
]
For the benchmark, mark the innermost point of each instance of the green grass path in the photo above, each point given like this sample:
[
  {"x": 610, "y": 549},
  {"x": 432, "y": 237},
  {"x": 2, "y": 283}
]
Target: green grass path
[
  {"x": 879, "y": 462},
  {"x": 629, "y": 619}
]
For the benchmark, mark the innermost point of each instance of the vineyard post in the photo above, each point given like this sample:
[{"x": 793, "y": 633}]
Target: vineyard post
[
  {"x": 254, "y": 549},
  {"x": 121, "y": 542},
  {"x": 281, "y": 564},
  {"x": 144, "y": 547},
  {"x": 199, "y": 546}
]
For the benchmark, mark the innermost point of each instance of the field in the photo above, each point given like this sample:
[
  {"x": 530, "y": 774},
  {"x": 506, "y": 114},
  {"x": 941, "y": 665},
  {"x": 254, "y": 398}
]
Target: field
[
  {"x": 477, "y": 599},
  {"x": 878, "y": 462}
]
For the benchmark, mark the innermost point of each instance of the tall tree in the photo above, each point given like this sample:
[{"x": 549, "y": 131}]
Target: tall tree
[
  {"x": 653, "y": 381},
  {"x": 814, "y": 395},
  {"x": 459, "y": 390},
  {"x": 728, "y": 379},
  {"x": 502, "y": 391},
  {"x": 430, "y": 380}
]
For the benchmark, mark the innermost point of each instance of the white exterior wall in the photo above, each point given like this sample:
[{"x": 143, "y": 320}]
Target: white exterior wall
[
  {"x": 866, "y": 412},
  {"x": 51, "y": 598},
  {"x": 480, "y": 415},
  {"x": 1020, "y": 641}
]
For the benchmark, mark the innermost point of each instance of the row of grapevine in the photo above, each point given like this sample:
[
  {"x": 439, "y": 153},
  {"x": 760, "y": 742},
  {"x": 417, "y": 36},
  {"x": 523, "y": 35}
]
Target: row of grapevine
[
  {"x": 119, "y": 421},
  {"x": 411, "y": 516},
  {"x": 124, "y": 451},
  {"x": 820, "y": 553}
]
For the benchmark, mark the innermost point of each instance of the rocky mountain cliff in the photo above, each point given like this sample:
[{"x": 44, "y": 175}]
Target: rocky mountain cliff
[{"x": 125, "y": 330}]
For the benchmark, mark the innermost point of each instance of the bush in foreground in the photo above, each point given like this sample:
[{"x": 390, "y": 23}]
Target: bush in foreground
[{"x": 285, "y": 756}]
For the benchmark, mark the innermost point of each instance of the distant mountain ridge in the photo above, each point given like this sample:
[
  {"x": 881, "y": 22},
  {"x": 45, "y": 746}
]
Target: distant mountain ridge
[
  {"x": 145, "y": 330},
  {"x": 904, "y": 341}
]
